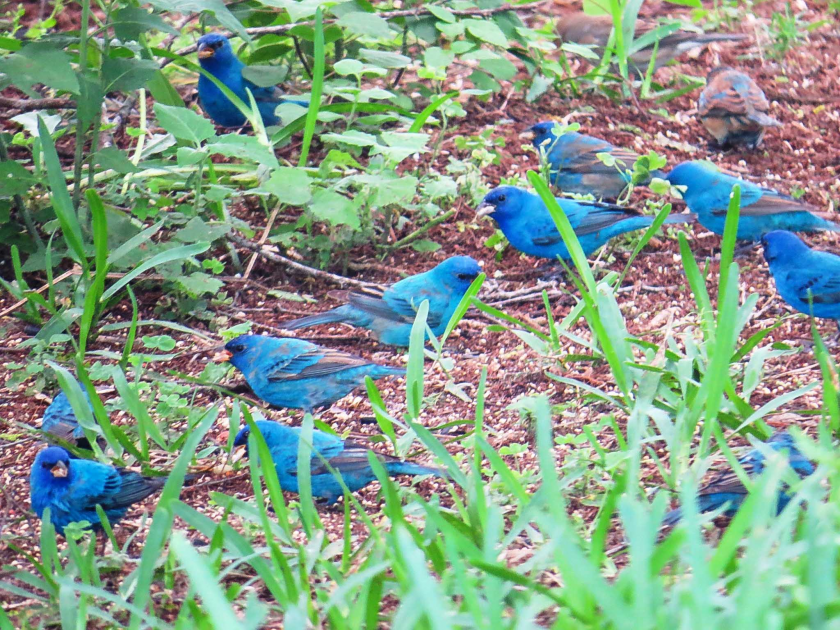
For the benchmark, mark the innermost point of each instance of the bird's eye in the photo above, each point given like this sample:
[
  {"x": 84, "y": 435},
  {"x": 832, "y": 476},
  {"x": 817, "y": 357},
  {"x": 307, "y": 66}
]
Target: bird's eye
[
  {"x": 465, "y": 276},
  {"x": 501, "y": 197},
  {"x": 217, "y": 44},
  {"x": 47, "y": 465},
  {"x": 236, "y": 347}
]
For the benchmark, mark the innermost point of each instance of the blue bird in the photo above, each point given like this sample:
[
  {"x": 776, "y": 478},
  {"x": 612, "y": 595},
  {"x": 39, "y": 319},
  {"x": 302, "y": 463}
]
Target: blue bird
[
  {"x": 389, "y": 314},
  {"x": 762, "y": 209},
  {"x": 528, "y": 226},
  {"x": 60, "y": 420},
  {"x": 297, "y": 374},
  {"x": 807, "y": 279},
  {"x": 216, "y": 56},
  {"x": 348, "y": 459},
  {"x": 734, "y": 109},
  {"x": 72, "y": 488},
  {"x": 575, "y": 166},
  {"x": 726, "y": 488}
]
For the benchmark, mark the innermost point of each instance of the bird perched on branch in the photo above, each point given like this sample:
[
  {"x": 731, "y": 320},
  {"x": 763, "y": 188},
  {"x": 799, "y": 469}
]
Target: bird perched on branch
[
  {"x": 734, "y": 109},
  {"x": 348, "y": 459},
  {"x": 575, "y": 165},
  {"x": 763, "y": 210},
  {"x": 389, "y": 314},
  {"x": 216, "y": 56},
  {"x": 726, "y": 488},
  {"x": 297, "y": 374},
  {"x": 595, "y": 30},
  {"x": 807, "y": 279},
  {"x": 60, "y": 420},
  {"x": 527, "y": 224},
  {"x": 72, "y": 488}
]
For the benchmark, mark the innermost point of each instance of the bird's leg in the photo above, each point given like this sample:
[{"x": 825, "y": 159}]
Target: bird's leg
[{"x": 552, "y": 271}]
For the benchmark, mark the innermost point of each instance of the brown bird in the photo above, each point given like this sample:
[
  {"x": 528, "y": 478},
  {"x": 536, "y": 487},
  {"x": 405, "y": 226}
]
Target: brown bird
[
  {"x": 595, "y": 30},
  {"x": 734, "y": 109}
]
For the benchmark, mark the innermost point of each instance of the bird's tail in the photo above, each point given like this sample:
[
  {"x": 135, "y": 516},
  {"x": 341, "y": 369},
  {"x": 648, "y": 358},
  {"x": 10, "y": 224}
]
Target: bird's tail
[
  {"x": 410, "y": 468},
  {"x": 764, "y": 120},
  {"x": 328, "y": 317},
  {"x": 680, "y": 218},
  {"x": 672, "y": 518},
  {"x": 707, "y": 38},
  {"x": 295, "y": 101},
  {"x": 384, "y": 370}
]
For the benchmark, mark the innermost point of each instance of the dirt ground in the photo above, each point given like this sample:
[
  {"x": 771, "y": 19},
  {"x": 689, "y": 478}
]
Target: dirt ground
[{"x": 804, "y": 89}]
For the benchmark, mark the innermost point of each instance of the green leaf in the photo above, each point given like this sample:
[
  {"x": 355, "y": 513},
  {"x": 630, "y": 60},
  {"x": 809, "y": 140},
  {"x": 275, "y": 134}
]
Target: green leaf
[
  {"x": 40, "y": 63},
  {"x": 244, "y": 148},
  {"x": 441, "y": 13},
  {"x": 500, "y": 68},
  {"x": 486, "y": 31},
  {"x": 290, "y": 185},
  {"x": 130, "y": 22},
  {"x": 384, "y": 59},
  {"x": 425, "y": 245},
  {"x": 366, "y": 25},
  {"x": 169, "y": 255},
  {"x": 335, "y": 209},
  {"x": 197, "y": 230},
  {"x": 200, "y": 283},
  {"x": 265, "y": 76},
  {"x": 436, "y": 57},
  {"x": 125, "y": 74},
  {"x": 352, "y": 137},
  {"x": 14, "y": 179},
  {"x": 184, "y": 123},
  {"x": 202, "y": 7},
  {"x": 115, "y": 159},
  {"x": 164, "y": 343}
]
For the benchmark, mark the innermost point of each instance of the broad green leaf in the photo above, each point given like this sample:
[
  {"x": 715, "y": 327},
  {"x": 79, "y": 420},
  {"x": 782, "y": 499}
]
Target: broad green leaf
[
  {"x": 265, "y": 76},
  {"x": 366, "y": 25},
  {"x": 184, "y": 123},
  {"x": 486, "y": 31},
  {"x": 335, "y": 209},
  {"x": 125, "y": 74},
  {"x": 130, "y": 22},
  {"x": 290, "y": 185},
  {"x": 40, "y": 63}
]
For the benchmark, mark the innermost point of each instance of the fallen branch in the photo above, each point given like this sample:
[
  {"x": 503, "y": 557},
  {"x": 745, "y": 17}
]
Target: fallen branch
[
  {"x": 32, "y": 104},
  {"x": 291, "y": 264},
  {"x": 279, "y": 29}
]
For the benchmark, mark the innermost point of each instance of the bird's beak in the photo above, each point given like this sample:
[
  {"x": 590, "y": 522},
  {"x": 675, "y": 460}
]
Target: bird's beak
[
  {"x": 205, "y": 52},
  {"x": 484, "y": 210},
  {"x": 528, "y": 135},
  {"x": 59, "y": 470},
  {"x": 221, "y": 356}
]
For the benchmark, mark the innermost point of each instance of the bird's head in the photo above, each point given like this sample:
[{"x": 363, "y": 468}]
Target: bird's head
[
  {"x": 214, "y": 46},
  {"x": 542, "y": 135},
  {"x": 458, "y": 271},
  {"x": 781, "y": 246},
  {"x": 53, "y": 463},
  {"x": 696, "y": 176},
  {"x": 273, "y": 433},
  {"x": 242, "y": 438},
  {"x": 502, "y": 202}
]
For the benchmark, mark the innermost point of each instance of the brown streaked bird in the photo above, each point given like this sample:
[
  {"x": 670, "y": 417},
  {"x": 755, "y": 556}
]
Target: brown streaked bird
[
  {"x": 734, "y": 109},
  {"x": 594, "y": 30}
]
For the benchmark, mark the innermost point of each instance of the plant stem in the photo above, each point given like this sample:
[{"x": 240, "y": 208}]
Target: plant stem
[
  {"x": 423, "y": 229},
  {"x": 18, "y": 202},
  {"x": 80, "y": 131}
]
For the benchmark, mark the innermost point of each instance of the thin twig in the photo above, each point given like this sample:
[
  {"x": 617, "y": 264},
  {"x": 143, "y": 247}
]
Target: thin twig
[
  {"x": 301, "y": 57},
  {"x": 288, "y": 262},
  {"x": 32, "y": 104},
  {"x": 261, "y": 242},
  {"x": 279, "y": 29},
  {"x": 423, "y": 229}
]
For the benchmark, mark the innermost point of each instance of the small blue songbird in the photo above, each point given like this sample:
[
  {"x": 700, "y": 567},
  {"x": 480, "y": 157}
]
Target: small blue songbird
[
  {"x": 726, "y": 488},
  {"x": 807, "y": 279},
  {"x": 60, "y": 420},
  {"x": 73, "y": 487},
  {"x": 575, "y": 165},
  {"x": 762, "y": 209},
  {"x": 389, "y": 314},
  {"x": 528, "y": 226},
  {"x": 216, "y": 56},
  {"x": 734, "y": 109},
  {"x": 348, "y": 459},
  {"x": 297, "y": 374}
]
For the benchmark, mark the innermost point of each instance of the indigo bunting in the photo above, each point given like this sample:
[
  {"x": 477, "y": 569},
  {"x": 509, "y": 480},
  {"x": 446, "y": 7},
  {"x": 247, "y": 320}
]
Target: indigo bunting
[
  {"x": 528, "y": 226},
  {"x": 216, "y": 56},
  {"x": 575, "y": 166},
  {"x": 297, "y": 374},
  {"x": 734, "y": 109},
  {"x": 762, "y": 209},
  {"x": 807, "y": 279},
  {"x": 389, "y": 314},
  {"x": 348, "y": 459},
  {"x": 580, "y": 28},
  {"x": 725, "y": 487},
  {"x": 60, "y": 420},
  {"x": 72, "y": 488}
]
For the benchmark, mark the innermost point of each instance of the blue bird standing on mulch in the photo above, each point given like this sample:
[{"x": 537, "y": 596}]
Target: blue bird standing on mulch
[
  {"x": 348, "y": 459},
  {"x": 72, "y": 488},
  {"x": 60, "y": 420},
  {"x": 707, "y": 192},
  {"x": 526, "y": 223},
  {"x": 216, "y": 56},
  {"x": 726, "y": 488},
  {"x": 575, "y": 166},
  {"x": 297, "y": 374},
  {"x": 389, "y": 314}
]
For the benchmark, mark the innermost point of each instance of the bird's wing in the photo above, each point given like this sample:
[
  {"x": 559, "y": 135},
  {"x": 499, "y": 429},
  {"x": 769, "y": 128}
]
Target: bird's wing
[
  {"x": 820, "y": 281},
  {"x": 602, "y": 215},
  {"x": 725, "y": 482},
  {"x": 721, "y": 99},
  {"x": 353, "y": 458},
  {"x": 133, "y": 488},
  {"x": 768, "y": 202},
  {"x": 400, "y": 302},
  {"x": 313, "y": 363},
  {"x": 92, "y": 483}
]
